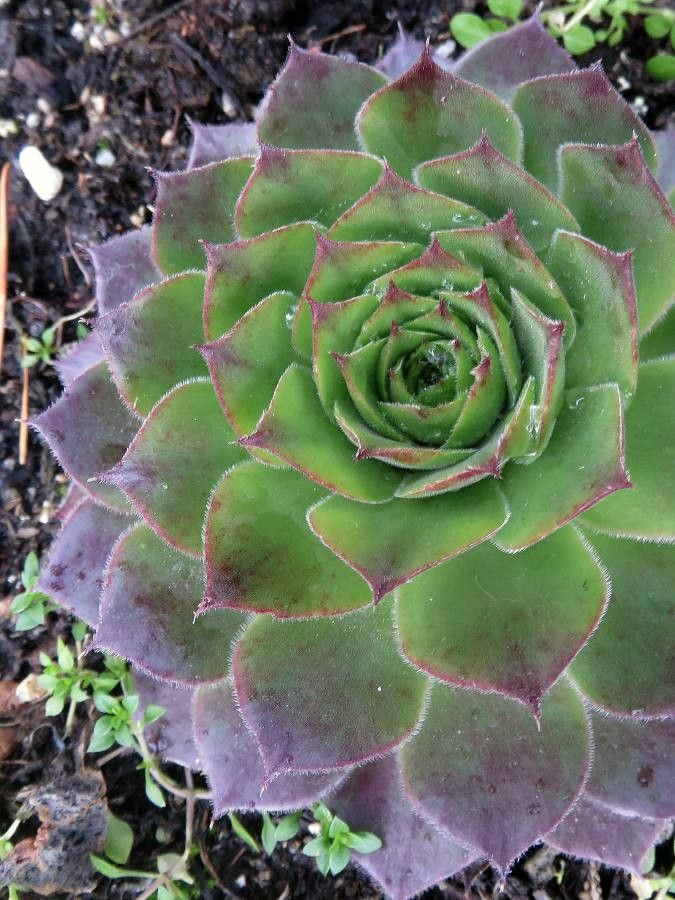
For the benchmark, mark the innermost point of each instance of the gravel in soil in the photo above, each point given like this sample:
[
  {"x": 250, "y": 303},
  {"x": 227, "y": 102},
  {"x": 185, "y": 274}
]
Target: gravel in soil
[{"x": 102, "y": 113}]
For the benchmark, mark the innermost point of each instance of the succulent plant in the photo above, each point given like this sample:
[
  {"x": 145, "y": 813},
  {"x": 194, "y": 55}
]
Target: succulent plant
[{"x": 372, "y": 458}]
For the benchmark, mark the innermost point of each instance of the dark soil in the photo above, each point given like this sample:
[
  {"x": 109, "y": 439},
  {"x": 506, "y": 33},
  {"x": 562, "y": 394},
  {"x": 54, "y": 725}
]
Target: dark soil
[{"x": 208, "y": 60}]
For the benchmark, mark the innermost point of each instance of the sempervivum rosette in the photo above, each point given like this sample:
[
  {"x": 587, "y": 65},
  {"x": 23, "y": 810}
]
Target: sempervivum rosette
[{"x": 391, "y": 401}]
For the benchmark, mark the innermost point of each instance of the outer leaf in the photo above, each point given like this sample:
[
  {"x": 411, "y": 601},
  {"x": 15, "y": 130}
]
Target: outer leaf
[
  {"x": 665, "y": 148},
  {"x": 74, "y": 574},
  {"x": 594, "y": 179},
  {"x": 414, "y": 854},
  {"x": 166, "y": 317},
  {"x": 247, "y": 559},
  {"x": 484, "y": 178},
  {"x": 147, "y": 612},
  {"x": 175, "y": 460},
  {"x": 314, "y": 101},
  {"x": 401, "y": 55},
  {"x": 214, "y": 143},
  {"x": 89, "y": 428},
  {"x": 661, "y": 339},
  {"x": 123, "y": 266},
  {"x": 492, "y": 776},
  {"x": 633, "y": 766},
  {"x": 599, "y": 286},
  {"x": 511, "y": 57},
  {"x": 233, "y": 764},
  {"x": 242, "y": 273},
  {"x": 594, "y": 832},
  {"x": 628, "y": 664},
  {"x": 427, "y": 113},
  {"x": 395, "y": 209},
  {"x": 510, "y": 650},
  {"x": 389, "y": 544},
  {"x": 195, "y": 206},
  {"x": 83, "y": 356},
  {"x": 170, "y": 737},
  {"x": 245, "y": 378},
  {"x": 583, "y": 463},
  {"x": 295, "y": 428},
  {"x": 648, "y": 511},
  {"x": 298, "y": 185},
  {"x": 313, "y": 707},
  {"x": 578, "y": 106}
]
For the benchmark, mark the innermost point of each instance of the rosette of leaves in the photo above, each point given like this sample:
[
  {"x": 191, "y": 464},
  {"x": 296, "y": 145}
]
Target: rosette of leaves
[{"x": 372, "y": 458}]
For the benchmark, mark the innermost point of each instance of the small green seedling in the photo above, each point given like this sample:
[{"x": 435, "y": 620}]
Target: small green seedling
[
  {"x": 273, "y": 832},
  {"x": 332, "y": 848},
  {"x": 41, "y": 349},
  {"x": 30, "y": 606}
]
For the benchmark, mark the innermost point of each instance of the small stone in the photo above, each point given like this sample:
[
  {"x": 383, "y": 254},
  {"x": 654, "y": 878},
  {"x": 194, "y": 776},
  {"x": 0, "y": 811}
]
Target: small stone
[
  {"x": 33, "y": 120},
  {"x": 45, "y": 179},
  {"x": 29, "y": 689},
  {"x": 77, "y": 31},
  {"x": 445, "y": 50},
  {"x": 168, "y": 138},
  {"x": 8, "y": 127},
  {"x": 105, "y": 158}
]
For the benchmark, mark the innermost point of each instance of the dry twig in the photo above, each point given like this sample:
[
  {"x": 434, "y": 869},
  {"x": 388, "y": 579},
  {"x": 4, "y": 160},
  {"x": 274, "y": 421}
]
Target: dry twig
[
  {"x": 23, "y": 421},
  {"x": 4, "y": 252}
]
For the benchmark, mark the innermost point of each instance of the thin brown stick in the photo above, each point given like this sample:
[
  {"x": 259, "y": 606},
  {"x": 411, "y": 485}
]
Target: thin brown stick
[
  {"x": 23, "y": 421},
  {"x": 4, "y": 252},
  {"x": 150, "y": 22}
]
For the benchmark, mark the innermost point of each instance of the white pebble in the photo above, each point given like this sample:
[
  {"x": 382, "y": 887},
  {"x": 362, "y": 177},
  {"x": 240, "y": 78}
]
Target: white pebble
[
  {"x": 32, "y": 120},
  {"x": 105, "y": 158},
  {"x": 8, "y": 127},
  {"x": 77, "y": 31},
  {"x": 45, "y": 179}
]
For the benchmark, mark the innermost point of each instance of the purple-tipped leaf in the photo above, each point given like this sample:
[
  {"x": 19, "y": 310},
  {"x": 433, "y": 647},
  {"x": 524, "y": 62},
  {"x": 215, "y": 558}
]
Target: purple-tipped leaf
[
  {"x": 490, "y": 774},
  {"x": 506, "y": 60},
  {"x": 401, "y": 55},
  {"x": 665, "y": 150},
  {"x": 214, "y": 143},
  {"x": 171, "y": 736},
  {"x": 73, "y": 575},
  {"x": 233, "y": 765},
  {"x": 89, "y": 428},
  {"x": 85, "y": 354},
  {"x": 123, "y": 266},
  {"x": 414, "y": 854},
  {"x": 325, "y": 694},
  {"x": 147, "y": 612}
]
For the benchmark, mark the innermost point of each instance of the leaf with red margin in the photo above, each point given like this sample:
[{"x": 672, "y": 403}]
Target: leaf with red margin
[
  {"x": 295, "y": 428},
  {"x": 487, "y": 180},
  {"x": 469, "y": 621},
  {"x": 74, "y": 497},
  {"x": 633, "y": 766},
  {"x": 396, "y": 209},
  {"x": 628, "y": 665},
  {"x": 171, "y": 736},
  {"x": 492, "y": 776},
  {"x": 325, "y": 694},
  {"x": 234, "y": 766},
  {"x": 599, "y": 286},
  {"x": 214, "y": 143},
  {"x": 583, "y": 463},
  {"x": 195, "y": 206},
  {"x": 581, "y": 106},
  {"x": 88, "y": 429},
  {"x": 595, "y": 179},
  {"x": 302, "y": 185},
  {"x": 414, "y": 855},
  {"x": 73, "y": 576},
  {"x": 388, "y": 544},
  {"x": 242, "y": 273},
  {"x": 509, "y": 58},
  {"x": 648, "y": 511},
  {"x": 427, "y": 113},
  {"x": 271, "y": 562},
  {"x": 85, "y": 354},
  {"x": 244, "y": 379},
  {"x": 592, "y": 831},
  {"x": 314, "y": 100},
  {"x": 500, "y": 251},
  {"x": 174, "y": 462},
  {"x": 150, "y": 342},
  {"x": 433, "y": 271},
  {"x": 147, "y": 612},
  {"x": 123, "y": 266},
  {"x": 401, "y": 55}
]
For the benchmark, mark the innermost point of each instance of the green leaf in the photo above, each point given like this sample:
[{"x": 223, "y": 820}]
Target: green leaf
[
  {"x": 31, "y": 571},
  {"x": 322, "y": 814},
  {"x": 64, "y": 656},
  {"x": 242, "y": 832},
  {"x": 54, "y": 705},
  {"x": 316, "y": 846},
  {"x": 152, "y": 713},
  {"x": 79, "y": 630},
  {"x": 30, "y": 618},
  {"x": 658, "y": 25},
  {"x": 288, "y": 826},
  {"x": 661, "y": 67},
  {"x": 337, "y": 827},
  {"x": 104, "y": 702},
  {"x": 153, "y": 791},
  {"x": 469, "y": 29},
  {"x": 507, "y": 9},
  {"x": 363, "y": 841},
  {"x": 111, "y": 871},
  {"x": 339, "y": 857},
  {"x": 268, "y": 833},
  {"x": 579, "y": 40},
  {"x": 119, "y": 839},
  {"x": 101, "y": 741}
]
